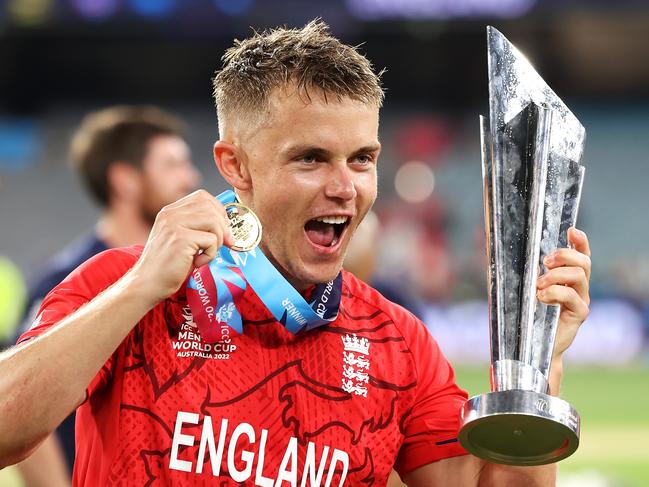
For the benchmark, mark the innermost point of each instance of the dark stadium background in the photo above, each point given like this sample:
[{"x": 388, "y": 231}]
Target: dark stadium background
[{"x": 59, "y": 59}]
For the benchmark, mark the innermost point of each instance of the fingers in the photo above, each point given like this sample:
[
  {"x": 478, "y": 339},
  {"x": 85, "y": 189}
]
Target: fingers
[
  {"x": 579, "y": 240},
  {"x": 228, "y": 237},
  {"x": 199, "y": 211},
  {"x": 574, "y": 277},
  {"x": 566, "y": 283},
  {"x": 568, "y": 298},
  {"x": 186, "y": 234},
  {"x": 570, "y": 258},
  {"x": 207, "y": 243}
]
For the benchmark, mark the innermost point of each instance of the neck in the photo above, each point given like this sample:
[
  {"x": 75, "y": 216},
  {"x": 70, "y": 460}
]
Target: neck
[
  {"x": 245, "y": 198},
  {"x": 120, "y": 226},
  {"x": 299, "y": 285}
]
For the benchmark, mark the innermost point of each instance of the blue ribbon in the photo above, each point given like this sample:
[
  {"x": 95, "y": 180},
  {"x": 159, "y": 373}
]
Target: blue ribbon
[{"x": 284, "y": 302}]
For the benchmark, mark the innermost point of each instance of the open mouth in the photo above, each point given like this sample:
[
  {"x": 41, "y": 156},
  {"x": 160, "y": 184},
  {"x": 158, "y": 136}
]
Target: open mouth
[{"x": 326, "y": 231}]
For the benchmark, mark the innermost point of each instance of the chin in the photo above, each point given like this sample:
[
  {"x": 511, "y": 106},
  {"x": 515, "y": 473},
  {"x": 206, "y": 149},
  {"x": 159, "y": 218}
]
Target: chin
[
  {"x": 303, "y": 274},
  {"x": 322, "y": 275}
]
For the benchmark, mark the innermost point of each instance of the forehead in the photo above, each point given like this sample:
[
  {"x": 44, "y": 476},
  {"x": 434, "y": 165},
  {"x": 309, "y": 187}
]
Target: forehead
[
  {"x": 318, "y": 116},
  {"x": 291, "y": 98}
]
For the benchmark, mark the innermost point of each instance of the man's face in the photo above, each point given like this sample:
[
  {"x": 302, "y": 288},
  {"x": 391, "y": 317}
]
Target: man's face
[
  {"x": 313, "y": 178},
  {"x": 168, "y": 174}
]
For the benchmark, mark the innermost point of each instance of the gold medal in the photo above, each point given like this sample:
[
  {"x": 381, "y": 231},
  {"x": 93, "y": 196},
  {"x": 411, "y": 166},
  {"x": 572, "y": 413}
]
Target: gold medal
[{"x": 245, "y": 226}]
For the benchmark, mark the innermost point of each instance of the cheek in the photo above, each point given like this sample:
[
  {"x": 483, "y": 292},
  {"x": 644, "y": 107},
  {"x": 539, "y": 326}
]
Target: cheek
[
  {"x": 278, "y": 209},
  {"x": 366, "y": 186},
  {"x": 159, "y": 181},
  {"x": 178, "y": 183},
  {"x": 165, "y": 190}
]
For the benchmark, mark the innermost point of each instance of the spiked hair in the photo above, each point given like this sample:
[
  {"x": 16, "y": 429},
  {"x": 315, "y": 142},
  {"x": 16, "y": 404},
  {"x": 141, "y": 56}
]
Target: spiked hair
[{"x": 310, "y": 58}]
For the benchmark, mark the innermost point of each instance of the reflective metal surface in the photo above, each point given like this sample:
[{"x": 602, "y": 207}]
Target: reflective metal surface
[
  {"x": 532, "y": 179},
  {"x": 519, "y": 427},
  {"x": 513, "y": 374}
]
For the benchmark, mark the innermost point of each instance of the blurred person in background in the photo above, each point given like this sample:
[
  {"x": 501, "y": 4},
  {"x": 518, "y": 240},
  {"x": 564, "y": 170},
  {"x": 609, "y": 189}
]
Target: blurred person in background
[
  {"x": 361, "y": 260},
  {"x": 51, "y": 469},
  {"x": 414, "y": 240},
  {"x": 298, "y": 123},
  {"x": 133, "y": 160},
  {"x": 12, "y": 299}
]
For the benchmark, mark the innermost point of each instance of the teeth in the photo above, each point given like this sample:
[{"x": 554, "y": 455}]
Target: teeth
[{"x": 333, "y": 220}]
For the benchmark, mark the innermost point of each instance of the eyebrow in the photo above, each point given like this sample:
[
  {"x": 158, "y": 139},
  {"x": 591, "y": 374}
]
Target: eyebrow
[
  {"x": 296, "y": 150},
  {"x": 369, "y": 148}
]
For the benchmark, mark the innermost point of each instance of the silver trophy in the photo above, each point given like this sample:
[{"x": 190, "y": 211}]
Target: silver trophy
[{"x": 531, "y": 148}]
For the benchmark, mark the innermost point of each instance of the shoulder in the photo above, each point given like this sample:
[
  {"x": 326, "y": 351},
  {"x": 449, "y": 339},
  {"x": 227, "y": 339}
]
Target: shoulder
[
  {"x": 63, "y": 263},
  {"x": 80, "y": 286},
  {"x": 97, "y": 273},
  {"x": 110, "y": 263}
]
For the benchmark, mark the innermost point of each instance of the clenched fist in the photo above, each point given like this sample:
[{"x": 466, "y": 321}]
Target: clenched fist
[{"x": 186, "y": 234}]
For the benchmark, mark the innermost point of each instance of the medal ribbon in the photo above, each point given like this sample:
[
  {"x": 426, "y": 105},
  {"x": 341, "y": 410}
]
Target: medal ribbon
[{"x": 214, "y": 288}]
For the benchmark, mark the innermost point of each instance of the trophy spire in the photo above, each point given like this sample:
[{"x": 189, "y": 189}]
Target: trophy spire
[{"x": 514, "y": 84}]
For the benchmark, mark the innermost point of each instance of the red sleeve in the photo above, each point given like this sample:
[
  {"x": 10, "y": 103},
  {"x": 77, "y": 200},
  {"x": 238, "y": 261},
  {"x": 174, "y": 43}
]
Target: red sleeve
[
  {"x": 81, "y": 286},
  {"x": 431, "y": 427}
]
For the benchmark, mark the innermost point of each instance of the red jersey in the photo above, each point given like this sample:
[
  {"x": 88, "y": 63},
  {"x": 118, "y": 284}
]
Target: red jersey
[{"x": 339, "y": 405}]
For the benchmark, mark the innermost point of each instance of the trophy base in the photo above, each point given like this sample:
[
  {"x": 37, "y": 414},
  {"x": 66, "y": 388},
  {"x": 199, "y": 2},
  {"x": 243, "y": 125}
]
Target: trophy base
[{"x": 518, "y": 427}]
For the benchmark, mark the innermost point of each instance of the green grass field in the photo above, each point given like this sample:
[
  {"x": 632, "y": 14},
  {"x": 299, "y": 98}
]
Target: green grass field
[
  {"x": 614, "y": 420},
  {"x": 615, "y": 425}
]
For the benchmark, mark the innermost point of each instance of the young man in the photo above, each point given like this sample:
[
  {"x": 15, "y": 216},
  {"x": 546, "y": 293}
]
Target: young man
[
  {"x": 133, "y": 160},
  {"x": 334, "y": 391}
]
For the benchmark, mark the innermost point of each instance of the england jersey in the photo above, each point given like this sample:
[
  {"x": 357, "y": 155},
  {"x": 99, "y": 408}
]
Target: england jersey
[{"x": 339, "y": 405}]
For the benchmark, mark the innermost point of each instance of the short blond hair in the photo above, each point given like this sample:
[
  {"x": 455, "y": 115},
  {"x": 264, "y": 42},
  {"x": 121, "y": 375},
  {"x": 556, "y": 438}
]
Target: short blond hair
[{"x": 310, "y": 57}]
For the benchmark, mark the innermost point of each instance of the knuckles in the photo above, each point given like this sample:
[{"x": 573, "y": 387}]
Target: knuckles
[
  {"x": 175, "y": 235},
  {"x": 197, "y": 195},
  {"x": 203, "y": 194},
  {"x": 216, "y": 240},
  {"x": 202, "y": 199},
  {"x": 569, "y": 256},
  {"x": 562, "y": 255},
  {"x": 163, "y": 214},
  {"x": 581, "y": 274}
]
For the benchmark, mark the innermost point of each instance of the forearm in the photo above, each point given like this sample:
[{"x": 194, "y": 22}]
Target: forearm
[
  {"x": 42, "y": 381},
  {"x": 494, "y": 475},
  {"x": 556, "y": 373}
]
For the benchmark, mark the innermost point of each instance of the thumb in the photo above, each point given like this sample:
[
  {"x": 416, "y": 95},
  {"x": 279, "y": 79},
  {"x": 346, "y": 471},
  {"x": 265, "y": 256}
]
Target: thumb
[{"x": 228, "y": 237}]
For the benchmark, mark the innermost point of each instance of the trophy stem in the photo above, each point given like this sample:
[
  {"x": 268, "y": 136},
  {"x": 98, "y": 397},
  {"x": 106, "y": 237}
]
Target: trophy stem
[{"x": 514, "y": 374}]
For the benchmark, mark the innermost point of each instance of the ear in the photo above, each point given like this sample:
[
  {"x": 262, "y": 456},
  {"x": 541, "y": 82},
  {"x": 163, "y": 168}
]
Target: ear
[
  {"x": 124, "y": 181},
  {"x": 232, "y": 164}
]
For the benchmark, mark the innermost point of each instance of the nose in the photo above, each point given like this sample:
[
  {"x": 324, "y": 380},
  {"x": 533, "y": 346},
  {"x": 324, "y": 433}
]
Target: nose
[{"x": 340, "y": 184}]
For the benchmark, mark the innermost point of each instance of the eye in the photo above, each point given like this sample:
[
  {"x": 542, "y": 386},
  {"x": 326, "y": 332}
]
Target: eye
[
  {"x": 364, "y": 159},
  {"x": 307, "y": 159}
]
